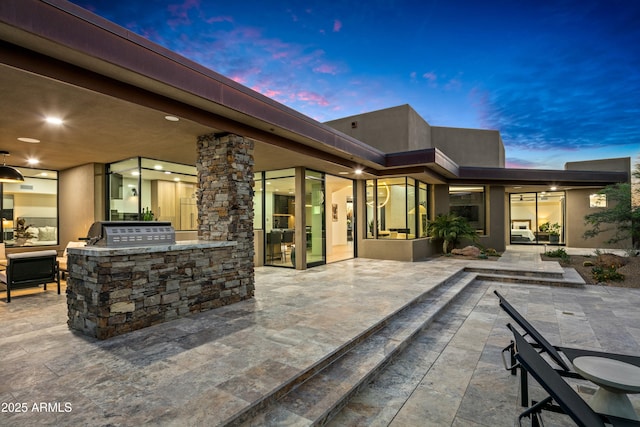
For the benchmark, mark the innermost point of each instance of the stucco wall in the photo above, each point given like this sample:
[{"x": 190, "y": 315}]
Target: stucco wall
[
  {"x": 397, "y": 250},
  {"x": 577, "y": 209},
  {"x": 470, "y": 147},
  {"x": 402, "y": 129},
  {"x": 496, "y": 236},
  {"x": 620, "y": 164},
  {"x": 77, "y": 194},
  {"x": 390, "y": 130}
]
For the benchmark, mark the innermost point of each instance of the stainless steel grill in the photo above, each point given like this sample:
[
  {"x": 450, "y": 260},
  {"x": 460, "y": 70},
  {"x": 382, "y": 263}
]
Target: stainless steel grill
[{"x": 115, "y": 234}]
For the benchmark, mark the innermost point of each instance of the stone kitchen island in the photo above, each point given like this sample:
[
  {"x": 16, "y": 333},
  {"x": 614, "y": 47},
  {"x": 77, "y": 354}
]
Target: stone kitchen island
[{"x": 111, "y": 291}]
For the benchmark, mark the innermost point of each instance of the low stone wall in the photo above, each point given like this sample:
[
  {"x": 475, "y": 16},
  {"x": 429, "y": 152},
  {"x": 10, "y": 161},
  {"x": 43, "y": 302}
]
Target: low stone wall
[{"x": 111, "y": 291}]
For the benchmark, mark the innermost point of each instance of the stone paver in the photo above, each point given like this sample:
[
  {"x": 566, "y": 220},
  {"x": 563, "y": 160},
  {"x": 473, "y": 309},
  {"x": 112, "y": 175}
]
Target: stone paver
[{"x": 199, "y": 370}]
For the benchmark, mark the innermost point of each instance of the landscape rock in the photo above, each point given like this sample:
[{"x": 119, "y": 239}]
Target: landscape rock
[{"x": 471, "y": 251}]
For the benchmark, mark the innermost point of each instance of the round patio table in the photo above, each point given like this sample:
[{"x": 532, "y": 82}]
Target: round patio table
[{"x": 615, "y": 379}]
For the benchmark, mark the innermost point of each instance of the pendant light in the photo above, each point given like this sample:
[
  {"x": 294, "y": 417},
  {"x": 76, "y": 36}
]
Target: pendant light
[{"x": 7, "y": 173}]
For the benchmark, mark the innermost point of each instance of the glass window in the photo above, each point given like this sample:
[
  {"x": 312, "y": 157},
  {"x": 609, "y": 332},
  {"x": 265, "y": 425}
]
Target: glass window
[
  {"x": 423, "y": 206},
  {"x": 468, "y": 202},
  {"x": 371, "y": 202},
  {"x": 411, "y": 209},
  {"x": 315, "y": 210},
  {"x": 258, "y": 202},
  {"x": 30, "y": 209},
  {"x": 401, "y": 212},
  {"x": 279, "y": 217},
  {"x": 537, "y": 218},
  {"x": 147, "y": 189},
  {"x": 598, "y": 201}
]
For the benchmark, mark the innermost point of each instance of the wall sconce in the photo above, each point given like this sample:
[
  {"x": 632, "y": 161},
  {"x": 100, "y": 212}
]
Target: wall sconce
[{"x": 134, "y": 192}]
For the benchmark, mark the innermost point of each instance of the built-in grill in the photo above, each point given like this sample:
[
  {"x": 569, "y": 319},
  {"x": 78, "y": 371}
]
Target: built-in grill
[{"x": 115, "y": 234}]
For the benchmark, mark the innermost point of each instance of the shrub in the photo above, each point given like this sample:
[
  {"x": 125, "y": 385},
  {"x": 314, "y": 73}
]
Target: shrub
[
  {"x": 559, "y": 253},
  {"x": 606, "y": 274},
  {"x": 491, "y": 252},
  {"x": 450, "y": 229}
]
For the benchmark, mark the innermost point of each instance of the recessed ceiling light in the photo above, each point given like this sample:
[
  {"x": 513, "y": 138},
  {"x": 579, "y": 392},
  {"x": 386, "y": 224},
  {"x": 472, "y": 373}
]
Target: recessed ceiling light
[
  {"x": 33, "y": 161},
  {"x": 54, "y": 120},
  {"x": 135, "y": 173},
  {"x": 167, "y": 173},
  {"x": 343, "y": 173},
  {"x": 176, "y": 179},
  {"x": 172, "y": 118},
  {"x": 358, "y": 171},
  {"x": 554, "y": 188},
  {"x": 44, "y": 174},
  {"x": 158, "y": 167},
  {"x": 29, "y": 140}
]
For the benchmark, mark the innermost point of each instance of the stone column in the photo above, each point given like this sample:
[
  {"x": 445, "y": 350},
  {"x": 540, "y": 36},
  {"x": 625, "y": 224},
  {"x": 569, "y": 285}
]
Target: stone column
[{"x": 225, "y": 201}]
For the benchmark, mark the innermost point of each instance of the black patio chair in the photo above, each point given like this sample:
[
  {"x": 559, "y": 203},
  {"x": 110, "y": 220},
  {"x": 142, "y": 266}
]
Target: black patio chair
[
  {"x": 567, "y": 400},
  {"x": 554, "y": 352}
]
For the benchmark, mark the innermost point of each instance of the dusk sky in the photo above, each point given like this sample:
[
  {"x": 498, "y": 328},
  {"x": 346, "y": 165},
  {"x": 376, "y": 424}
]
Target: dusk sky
[{"x": 559, "y": 79}]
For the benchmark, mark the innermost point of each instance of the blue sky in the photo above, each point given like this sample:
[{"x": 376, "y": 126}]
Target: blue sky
[{"x": 559, "y": 79}]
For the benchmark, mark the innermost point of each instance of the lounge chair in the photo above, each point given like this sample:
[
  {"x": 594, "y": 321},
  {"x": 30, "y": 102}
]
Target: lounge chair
[
  {"x": 554, "y": 352},
  {"x": 566, "y": 399}
]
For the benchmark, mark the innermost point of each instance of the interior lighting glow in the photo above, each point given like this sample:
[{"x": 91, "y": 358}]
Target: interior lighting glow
[
  {"x": 158, "y": 167},
  {"x": 358, "y": 171},
  {"x": 33, "y": 161},
  {"x": 29, "y": 140},
  {"x": 172, "y": 118},
  {"x": 54, "y": 120}
]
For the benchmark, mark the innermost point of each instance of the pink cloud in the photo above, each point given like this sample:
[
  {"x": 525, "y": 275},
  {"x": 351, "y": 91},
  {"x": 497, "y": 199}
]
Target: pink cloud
[
  {"x": 326, "y": 69},
  {"x": 271, "y": 93},
  {"x": 312, "y": 97},
  {"x": 337, "y": 25}
]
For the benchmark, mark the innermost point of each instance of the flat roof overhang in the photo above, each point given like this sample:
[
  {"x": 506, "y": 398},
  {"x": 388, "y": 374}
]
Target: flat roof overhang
[{"x": 566, "y": 178}]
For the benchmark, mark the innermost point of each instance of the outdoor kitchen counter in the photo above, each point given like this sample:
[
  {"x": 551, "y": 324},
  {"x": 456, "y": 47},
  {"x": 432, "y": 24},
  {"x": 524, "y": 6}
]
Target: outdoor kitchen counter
[
  {"x": 114, "y": 290},
  {"x": 178, "y": 246}
]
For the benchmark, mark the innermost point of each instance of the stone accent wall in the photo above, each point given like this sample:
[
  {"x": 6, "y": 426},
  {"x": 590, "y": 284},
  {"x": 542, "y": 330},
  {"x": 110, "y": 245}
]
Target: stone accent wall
[
  {"x": 111, "y": 291},
  {"x": 225, "y": 198},
  {"x": 119, "y": 291}
]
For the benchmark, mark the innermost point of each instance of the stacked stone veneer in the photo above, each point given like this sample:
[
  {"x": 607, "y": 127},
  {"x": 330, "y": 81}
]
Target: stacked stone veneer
[
  {"x": 111, "y": 291},
  {"x": 225, "y": 198}
]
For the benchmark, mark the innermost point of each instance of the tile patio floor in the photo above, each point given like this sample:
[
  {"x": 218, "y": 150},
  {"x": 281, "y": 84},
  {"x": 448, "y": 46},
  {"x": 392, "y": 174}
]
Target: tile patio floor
[{"x": 197, "y": 370}]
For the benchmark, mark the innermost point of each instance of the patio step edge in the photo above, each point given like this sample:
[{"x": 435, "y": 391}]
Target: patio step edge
[
  {"x": 530, "y": 280},
  {"x": 241, "y": 417},
  {"x": 311, "y": 402}
]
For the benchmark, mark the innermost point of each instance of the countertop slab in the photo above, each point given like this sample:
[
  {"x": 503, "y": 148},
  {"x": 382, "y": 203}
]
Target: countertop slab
[{"x": 182, "y": 245}]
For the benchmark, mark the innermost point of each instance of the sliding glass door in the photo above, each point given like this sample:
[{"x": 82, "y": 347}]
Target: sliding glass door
[
  {"x": 537, "y": 218},
  {"x": 315, "y": 218}
]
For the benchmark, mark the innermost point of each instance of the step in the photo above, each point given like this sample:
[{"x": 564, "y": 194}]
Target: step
[
  {"x": 315, "y": 398},
  {"x": 566, "y": 281},
  {"x": 520, "y": 272},
  {"x": 380, "y": 403}
]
